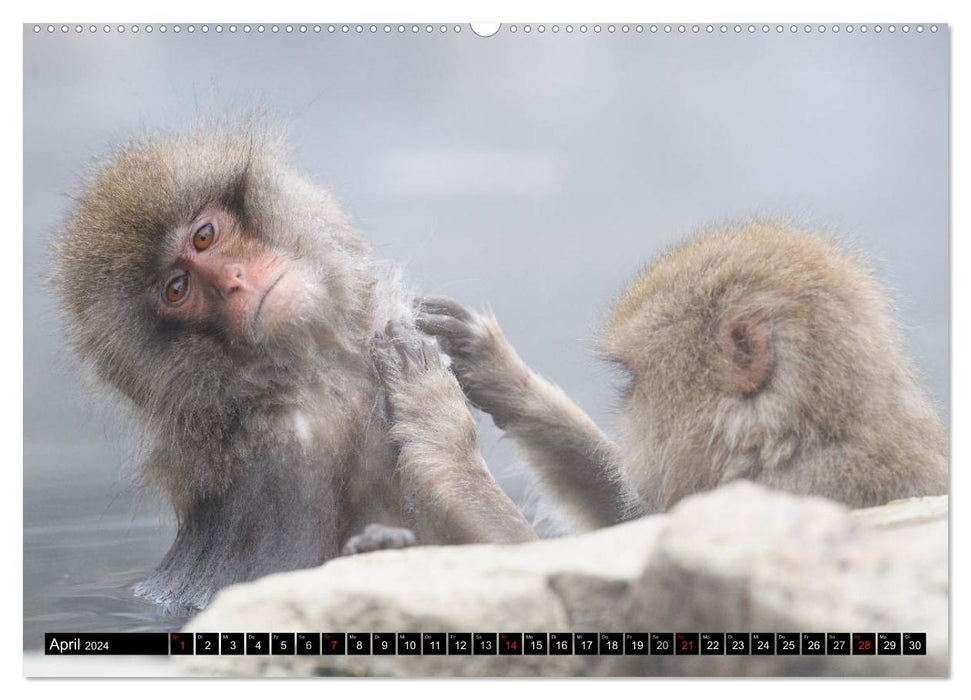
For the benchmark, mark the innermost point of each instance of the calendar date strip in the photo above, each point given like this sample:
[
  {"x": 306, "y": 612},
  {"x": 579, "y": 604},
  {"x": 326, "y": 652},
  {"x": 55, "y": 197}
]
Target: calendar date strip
[{"x": 485, "y": 643}]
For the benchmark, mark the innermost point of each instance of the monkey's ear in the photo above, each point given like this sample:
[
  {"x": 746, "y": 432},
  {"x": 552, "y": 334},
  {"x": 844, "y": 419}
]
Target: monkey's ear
[{"x": 746, "y": 338}]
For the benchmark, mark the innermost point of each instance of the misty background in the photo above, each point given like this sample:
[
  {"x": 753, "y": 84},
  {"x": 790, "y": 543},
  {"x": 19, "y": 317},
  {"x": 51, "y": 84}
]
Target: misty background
[{"x": 534, "y": 174}]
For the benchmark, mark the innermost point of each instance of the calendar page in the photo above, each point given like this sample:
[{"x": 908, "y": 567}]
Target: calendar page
[{"x": 545, "y": 349}]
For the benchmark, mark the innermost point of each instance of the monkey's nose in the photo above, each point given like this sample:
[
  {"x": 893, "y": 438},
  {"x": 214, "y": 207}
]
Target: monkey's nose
[{"x": 233, "y": 278}]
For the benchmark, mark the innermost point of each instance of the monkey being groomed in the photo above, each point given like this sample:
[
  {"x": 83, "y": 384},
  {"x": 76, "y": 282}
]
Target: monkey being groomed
[
  {"x": 228, "y": 298},
  {"x": 755, "y": 352}
]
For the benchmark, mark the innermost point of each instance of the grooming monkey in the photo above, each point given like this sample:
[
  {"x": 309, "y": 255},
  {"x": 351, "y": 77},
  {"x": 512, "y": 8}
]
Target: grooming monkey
[
  {"x": 230, "y": 300},
  {"x": 755, "y": 352}
]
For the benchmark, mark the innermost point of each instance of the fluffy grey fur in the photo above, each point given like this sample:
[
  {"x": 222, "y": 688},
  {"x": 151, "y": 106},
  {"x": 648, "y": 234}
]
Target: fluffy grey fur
[
  {"x": 755, "y": 351},
  {"x": 273, "y": 451},
  {"x": 442, "y": 470}
]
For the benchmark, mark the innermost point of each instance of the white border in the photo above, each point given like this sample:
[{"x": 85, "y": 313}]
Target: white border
[{"x": 603, "y": 11}]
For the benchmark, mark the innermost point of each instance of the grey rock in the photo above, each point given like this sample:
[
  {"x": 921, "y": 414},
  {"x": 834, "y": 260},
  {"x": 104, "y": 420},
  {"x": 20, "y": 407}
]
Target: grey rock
[{"x": 739, "y": 559}]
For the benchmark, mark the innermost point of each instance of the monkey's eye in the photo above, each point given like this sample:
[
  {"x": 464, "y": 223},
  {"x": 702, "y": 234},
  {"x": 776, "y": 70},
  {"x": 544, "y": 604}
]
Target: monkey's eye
[
  {"x": 176, "y": 290},
  {"x": 204, "y": 236}
]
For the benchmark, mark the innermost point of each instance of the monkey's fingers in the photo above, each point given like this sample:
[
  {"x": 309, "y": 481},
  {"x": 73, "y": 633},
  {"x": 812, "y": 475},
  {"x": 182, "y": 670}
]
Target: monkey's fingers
[
  {"x": 376, "y": 536},
  {"x": 385, "y": 358},
  {"x": 408, "y": 343},
  {"x": 432, "y": 353},
  {"x": 453, "y": 335},
  {"x": 445, "y": 307}
]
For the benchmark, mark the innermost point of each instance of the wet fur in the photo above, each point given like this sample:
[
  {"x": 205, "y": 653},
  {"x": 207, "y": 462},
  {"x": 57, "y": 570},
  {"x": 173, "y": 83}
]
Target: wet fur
[{"x": 271, "y": 453}]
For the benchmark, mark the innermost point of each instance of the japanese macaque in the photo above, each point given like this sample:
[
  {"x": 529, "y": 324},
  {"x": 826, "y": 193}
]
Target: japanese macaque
[
  {"x": 755, "y": 352},
  {"x": 230, "y": 301}
]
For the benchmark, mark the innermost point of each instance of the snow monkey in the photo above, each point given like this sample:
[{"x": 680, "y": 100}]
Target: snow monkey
[
  {"x": 231, "y": 303},
  {"x": 756, "y": 352}
]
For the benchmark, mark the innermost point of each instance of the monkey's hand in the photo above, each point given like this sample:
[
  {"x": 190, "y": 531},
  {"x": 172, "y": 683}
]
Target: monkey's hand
[
  {"x": 571, "y": 455},
  {"x": 377, "y": 536},
  {"x": 403, "y": 358},
  {"x": 490, "y": 372},
  {"x": 447, "y": 488}
]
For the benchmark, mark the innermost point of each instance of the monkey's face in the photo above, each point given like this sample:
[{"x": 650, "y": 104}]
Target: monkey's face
[
  {"x": 214, "y": 274},
  {"x": 196, "y": 270}
]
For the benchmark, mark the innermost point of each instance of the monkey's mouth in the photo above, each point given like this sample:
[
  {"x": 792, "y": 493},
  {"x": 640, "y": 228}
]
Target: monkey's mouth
[{"x": 259, "y": 307}]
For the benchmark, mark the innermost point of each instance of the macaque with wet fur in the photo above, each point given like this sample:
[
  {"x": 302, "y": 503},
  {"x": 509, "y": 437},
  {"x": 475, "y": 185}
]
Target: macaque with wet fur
[
  {"x": 230, "y": 301},
  {"x": 754, "y": 352}
]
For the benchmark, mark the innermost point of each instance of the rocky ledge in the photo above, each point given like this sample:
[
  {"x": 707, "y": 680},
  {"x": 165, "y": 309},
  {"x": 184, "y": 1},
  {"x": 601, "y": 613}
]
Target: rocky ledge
[{"x": 739, "y": 559}]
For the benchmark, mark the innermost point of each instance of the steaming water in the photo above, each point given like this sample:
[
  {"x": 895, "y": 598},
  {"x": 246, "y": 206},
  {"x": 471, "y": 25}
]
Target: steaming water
[{"x": 88, "y": 538}]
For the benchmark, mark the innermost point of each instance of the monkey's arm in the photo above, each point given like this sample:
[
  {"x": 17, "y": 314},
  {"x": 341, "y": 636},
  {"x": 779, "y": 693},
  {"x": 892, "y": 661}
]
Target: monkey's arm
[
  {"x": 449, "y": 493},
  {"x": 575, "y": 461}
]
